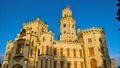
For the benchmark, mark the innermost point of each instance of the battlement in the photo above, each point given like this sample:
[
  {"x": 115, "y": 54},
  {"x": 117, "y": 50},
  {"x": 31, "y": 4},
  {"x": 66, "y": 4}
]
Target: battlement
[
  {"x": 10, "y": 41},
  {"x": 93, "y": 30},
  {"x": 34, "y": 21},
  {"x": 66, "y": 19}
]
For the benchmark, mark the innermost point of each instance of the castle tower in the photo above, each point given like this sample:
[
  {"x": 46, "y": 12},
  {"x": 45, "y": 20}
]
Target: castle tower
[{"x": 67, "y": 25}]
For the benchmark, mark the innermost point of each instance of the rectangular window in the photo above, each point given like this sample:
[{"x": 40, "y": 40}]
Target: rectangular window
[
  {"x": 46, "y": 66},
  {"x": 64, "y": 25},
  {"x": 102, "y": 50},
  {"x": 91, "y": 51},
  {"x": 75, "y": 64},
  {"x": 55, "y": 64},
  {"x": 81, "y": 64},
  {"x": 38, "y": 52},
  {"x": 72, "y": 26},
  {"x": 42, "y": 49},
  {"x": 55, "y": 51},
  {"x": 64, "y": 32},
  {"x": 51, "y": 50},
  {"x": 44, "y": 39},
  {"x": 62, "y": 64},
  {"x": 41, "y": 63},
  {"x": 31, "y": 52},
  {"x": 61, "y": 51},
  {"x": 46, "y": 49},
  {"x": 80, "y": 53},
  {"x": 69, "y": 65},
  {"x": 74, "y": 52},
  {"x": 68, "y": 52}
]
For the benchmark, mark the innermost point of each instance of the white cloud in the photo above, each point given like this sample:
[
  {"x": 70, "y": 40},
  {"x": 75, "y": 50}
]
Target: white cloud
[{"x": 1, "y": 58}]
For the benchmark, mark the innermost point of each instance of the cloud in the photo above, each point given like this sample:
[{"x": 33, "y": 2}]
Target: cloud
[
  {"x": 117, "y": 59},
  {"x": 1, "y": 58}
]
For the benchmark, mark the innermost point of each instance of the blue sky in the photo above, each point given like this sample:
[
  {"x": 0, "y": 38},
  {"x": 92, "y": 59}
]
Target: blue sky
[{"x": 87, "y": 13}]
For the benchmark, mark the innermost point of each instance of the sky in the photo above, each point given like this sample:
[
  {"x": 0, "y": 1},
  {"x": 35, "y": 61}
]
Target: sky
[{"x": 87, "y": 13}]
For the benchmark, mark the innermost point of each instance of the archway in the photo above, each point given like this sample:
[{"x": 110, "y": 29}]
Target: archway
[
  {"x": 93, "y": 63},
  {"x": 17, "y": 66}
]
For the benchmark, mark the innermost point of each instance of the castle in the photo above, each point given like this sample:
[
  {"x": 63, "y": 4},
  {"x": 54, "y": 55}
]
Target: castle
[{"x": 35, "y": 47}]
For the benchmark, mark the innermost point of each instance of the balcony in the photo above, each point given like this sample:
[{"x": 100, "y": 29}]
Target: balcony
[{"x": 18, "y": 57}]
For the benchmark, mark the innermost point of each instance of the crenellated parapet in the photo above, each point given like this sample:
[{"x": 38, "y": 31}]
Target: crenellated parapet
[
  {"x": 9, "y": 43},
  {"x": 50, "y": 32},
  {"x": 68, "y": 42},
  {"x": 37, "y": 20},
  {"x": 93, "y": 30},
  {"x": 66, "y": 19},
  {"x": 9, "y": 46}
]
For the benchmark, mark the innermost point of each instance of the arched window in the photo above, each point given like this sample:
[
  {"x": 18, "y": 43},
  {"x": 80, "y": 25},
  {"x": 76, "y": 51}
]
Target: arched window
[
  {"x": 19, "y": 50},
  {"x": 93, "y": 63}
]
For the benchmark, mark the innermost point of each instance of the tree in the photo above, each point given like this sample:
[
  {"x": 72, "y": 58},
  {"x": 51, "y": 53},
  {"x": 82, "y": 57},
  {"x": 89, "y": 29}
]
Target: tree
[{"x": 118, "y": 13}]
